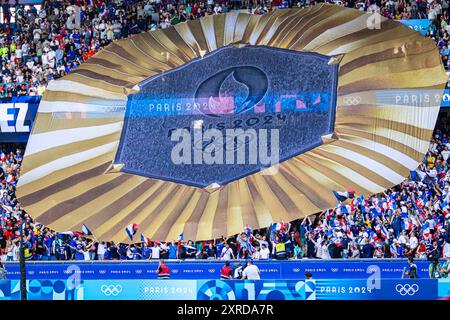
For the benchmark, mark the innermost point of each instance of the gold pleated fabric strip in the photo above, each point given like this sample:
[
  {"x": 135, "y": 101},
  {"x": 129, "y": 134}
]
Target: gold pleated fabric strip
[{"x": 79, "y": 123}]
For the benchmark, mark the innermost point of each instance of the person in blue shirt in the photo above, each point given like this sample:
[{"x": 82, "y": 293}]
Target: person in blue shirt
[
  {"x": 397, "y": 224},
  {"x": 368, "y": 250},
  {"x": 136, "y": 254},
  {"x": 172, "y": 250},
  {"x": 210, "y": 251},
  {"x": 106, "y": 255},
  {"x": 71, "y": 53},
  {"x": 48, "y": 243},
  {"x": 76, "y": 37},
  {"x": 219, "y": 246},
  {"x": 79, "y": 253},
  {"x": 122, "y": 252},
  {"x": 401, "y": 251},
  {"x": 72, "y": 246},
  {"x": 146, "y": 252}
]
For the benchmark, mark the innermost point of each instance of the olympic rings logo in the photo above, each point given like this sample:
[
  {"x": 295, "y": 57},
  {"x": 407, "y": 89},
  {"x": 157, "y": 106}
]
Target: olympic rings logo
[
  {"x": 407, "y": 289},
  {"x": 211, "y": 270},
  {"x": 231, "y": 142},
  {"x": 352, "y": 100},
  {"x": 113, "y": 290}
]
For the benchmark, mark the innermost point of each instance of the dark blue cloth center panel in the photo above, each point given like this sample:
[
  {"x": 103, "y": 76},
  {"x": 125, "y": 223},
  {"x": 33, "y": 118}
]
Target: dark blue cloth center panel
[{"x": 250, "y": 88}]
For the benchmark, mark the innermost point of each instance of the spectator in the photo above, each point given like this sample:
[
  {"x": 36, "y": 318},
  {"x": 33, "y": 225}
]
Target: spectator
[
  {"x": 101, "y": 248},
  {"x": 445, "y": 269},
  {"x": 412, "y": 272},
  {"x": 251, "y": 272},
  {"x": 227, "y": 253},
  {"x": 238, "y": 269},
  {"x": 225, "y": 272},
  {"x": 2, "y": 272},
  {"x": 434, "y": 269},
  {"x": 163, "y": 271}
]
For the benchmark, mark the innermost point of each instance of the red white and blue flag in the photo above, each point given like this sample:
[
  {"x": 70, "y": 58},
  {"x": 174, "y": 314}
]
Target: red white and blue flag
[
  {"x": 145, "y": 239},
  {"x": 10, "y": 179},
  {"x": 342, "y": 196},
  {"x": 85, "y": 230},
  {"x": 131, "y": 230}
]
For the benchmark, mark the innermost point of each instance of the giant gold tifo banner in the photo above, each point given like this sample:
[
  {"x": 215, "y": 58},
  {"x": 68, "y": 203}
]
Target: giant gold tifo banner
[{"x": 180, "y": 130}]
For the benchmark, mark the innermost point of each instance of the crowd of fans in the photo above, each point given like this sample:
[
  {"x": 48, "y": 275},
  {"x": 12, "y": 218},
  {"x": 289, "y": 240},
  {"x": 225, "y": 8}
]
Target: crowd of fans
[
  {"x": 408, "y": 220},
  {"x": 37, "y": 46}
]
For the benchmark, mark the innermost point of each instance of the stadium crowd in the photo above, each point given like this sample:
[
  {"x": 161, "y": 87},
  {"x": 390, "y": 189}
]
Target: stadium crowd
[
  {"x": 409, "y": 220},
  {"x": 37, "y": 46}
]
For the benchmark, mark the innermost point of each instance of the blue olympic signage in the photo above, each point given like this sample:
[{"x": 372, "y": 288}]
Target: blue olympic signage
[
  {"x": 421, "y": 25},
  {"x": 17, "y": 117},
  {"x": 211, "y": 270},
  {"x": 318, "y": 289},
  {"x": 17, "y": 114},
  {"x": 446, "y": 99}
]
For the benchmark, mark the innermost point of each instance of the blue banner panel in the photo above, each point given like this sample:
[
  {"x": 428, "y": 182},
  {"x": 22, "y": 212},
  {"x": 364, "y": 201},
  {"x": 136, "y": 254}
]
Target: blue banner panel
[
  {"x": 421, "y": 25},
  {"x": 444, "y": 289},
  {"x": 17, "y": 116},
  {"x": 5, "y": 289},
  {"x": 140, "y": 290},
  {"x": 61, "y": 289},
  {"x": 446, "y": 99},
  {"x": 343, "y": 269},
  {"x": 251, "y": 290},
  {"x": 360, "y": 289},
  {"x": 323, "y": 289}
]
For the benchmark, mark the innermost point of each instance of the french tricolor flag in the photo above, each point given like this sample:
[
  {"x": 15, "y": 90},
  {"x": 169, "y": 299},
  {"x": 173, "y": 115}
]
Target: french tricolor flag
[
  {"x": 10, "y": 178},
  {"x": 145, "y": 239},
  {"x": 342, "y": 196},
  {"x": 85, "y": 230},
  {"x": 2, "y": 157},
  {"x": 131, "y": 230},
  {"x": 384, "y": 232},
  {"x": 426, "y": 232}
]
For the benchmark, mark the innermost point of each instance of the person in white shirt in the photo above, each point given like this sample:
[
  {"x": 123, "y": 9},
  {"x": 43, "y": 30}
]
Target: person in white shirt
[
  {"x": 238, "y": 271},
  {"x": 130, "y": 253},
  {"x": 155, "y": 251},
  {"x": 446, "y": 249},
  {"x": 264, "y": 253},
  {"x": 413, "y": 242},
  {"x": 403, "y": 238},
  {"x": 256, "y": 255},
  {"x": 445, "y": 153},
  {"x": 51, "y": 56},
  {"x": 101, "y": 250},
  {"x": 227, "y": 253},
  {"x": 251, "y": 272}
]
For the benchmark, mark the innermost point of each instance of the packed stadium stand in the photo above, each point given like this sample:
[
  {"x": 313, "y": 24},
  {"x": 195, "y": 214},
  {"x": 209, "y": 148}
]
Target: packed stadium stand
[{"x": 42, "y": 42}]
